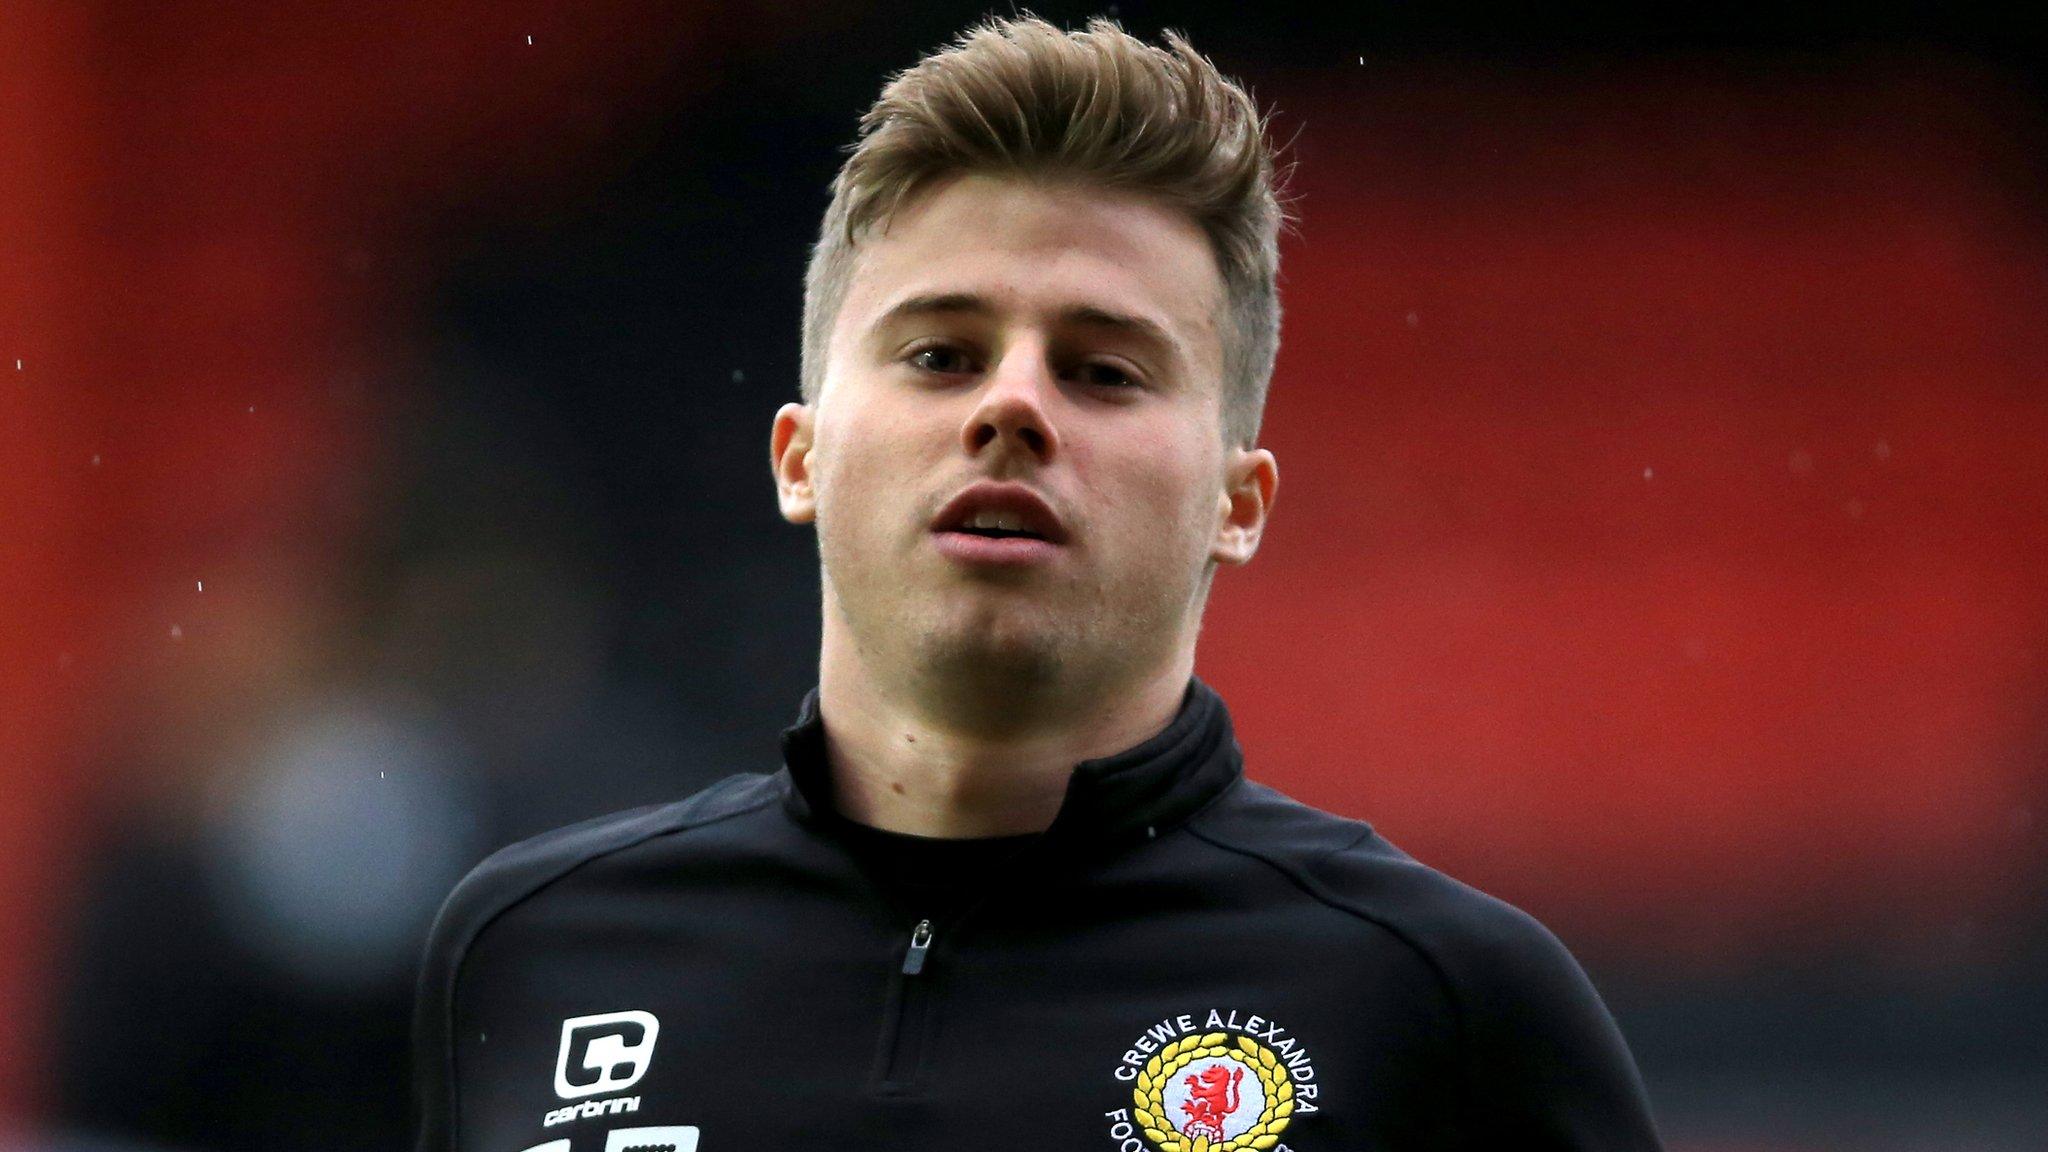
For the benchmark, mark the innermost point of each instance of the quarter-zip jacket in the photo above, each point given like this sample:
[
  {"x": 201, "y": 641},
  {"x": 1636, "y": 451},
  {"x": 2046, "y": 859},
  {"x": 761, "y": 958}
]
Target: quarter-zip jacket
[{"x": 1185, "y": 961}]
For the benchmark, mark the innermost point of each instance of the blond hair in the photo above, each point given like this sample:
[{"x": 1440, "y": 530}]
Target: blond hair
[{"x": 1020, "y": 97}]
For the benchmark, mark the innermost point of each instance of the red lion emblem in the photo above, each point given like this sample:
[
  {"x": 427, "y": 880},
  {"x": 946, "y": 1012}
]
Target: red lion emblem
[{"x": 1212, "y": 1096}]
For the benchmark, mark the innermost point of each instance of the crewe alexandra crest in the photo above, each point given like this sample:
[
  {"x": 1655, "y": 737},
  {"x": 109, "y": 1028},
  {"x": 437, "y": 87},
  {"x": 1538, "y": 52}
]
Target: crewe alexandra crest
[{"x": 1228, "y": 1087}]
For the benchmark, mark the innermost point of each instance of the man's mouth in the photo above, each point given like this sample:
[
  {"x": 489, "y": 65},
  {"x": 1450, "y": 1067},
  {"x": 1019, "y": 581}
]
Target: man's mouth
[
  {"x": 995, "y": 512},
  {"x": 999, "y": 533},
  {"x": 1003, "y": 547}
]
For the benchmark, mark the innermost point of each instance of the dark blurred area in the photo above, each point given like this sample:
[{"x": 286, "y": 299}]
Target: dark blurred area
[{"x": 1661, "y": 413}]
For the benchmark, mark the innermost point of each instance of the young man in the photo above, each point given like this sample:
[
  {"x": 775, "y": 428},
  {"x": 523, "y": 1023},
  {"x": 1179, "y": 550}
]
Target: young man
[{"x": 1011, "y": 888}]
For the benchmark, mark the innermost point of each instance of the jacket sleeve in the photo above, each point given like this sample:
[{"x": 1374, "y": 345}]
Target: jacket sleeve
[
  {"x": 502, "y": 880},
  {"x": 1547, "y": 1068},
  {"x": 505, "y": 878},
  {"x": 433, "y": 1055}
]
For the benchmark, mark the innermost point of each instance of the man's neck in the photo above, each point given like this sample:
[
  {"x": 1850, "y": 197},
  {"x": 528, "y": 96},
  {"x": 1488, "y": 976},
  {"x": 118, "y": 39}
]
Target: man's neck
[{"x": 899, "y": 766}]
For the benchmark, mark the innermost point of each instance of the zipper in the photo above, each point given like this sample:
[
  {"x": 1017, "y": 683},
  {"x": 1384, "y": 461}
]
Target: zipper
[
  {"x": 920, "y": 943},
  {"x": 904, "y": 1025},
  {"x": 906, "y": 1020}
]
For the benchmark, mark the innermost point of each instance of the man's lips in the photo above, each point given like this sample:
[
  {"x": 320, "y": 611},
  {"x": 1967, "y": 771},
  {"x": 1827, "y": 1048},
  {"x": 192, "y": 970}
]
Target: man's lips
[
  {"x": 968, "y": 548},
  {"x": 1016, "y": 502}
]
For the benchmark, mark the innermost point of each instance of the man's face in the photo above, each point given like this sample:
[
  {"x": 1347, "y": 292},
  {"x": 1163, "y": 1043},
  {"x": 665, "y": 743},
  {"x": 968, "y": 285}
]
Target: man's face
[{"x": 1059, "y": 338}]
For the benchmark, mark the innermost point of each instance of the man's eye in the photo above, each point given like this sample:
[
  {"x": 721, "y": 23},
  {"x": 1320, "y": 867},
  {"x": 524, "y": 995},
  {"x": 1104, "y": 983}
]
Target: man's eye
[
  {"x": 942, "y": 358},
  {"x": 1107, "y": 375}
]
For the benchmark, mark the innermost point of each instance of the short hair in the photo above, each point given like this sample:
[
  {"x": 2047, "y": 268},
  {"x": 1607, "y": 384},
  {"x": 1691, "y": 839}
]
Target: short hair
[{"x": 1098, "y": 107}]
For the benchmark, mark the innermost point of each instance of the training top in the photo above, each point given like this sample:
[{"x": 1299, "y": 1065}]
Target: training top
[{"x": 1184, "y": 961}]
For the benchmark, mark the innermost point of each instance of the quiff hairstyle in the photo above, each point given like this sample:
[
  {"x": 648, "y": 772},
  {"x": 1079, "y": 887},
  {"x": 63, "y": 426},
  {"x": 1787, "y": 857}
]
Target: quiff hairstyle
[{"x": 1019, "y": 97}]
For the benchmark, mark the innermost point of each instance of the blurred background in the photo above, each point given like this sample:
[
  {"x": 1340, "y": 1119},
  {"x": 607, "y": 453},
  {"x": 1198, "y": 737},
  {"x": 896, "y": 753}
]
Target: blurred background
[{"x": 1662, "y": 411}]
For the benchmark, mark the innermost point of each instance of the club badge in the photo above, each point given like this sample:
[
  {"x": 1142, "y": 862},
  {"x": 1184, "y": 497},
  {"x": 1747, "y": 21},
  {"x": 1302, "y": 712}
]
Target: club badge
[{"x": 1227, "y": 1084}]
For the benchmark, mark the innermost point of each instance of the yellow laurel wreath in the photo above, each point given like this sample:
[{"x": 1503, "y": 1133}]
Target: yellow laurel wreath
[{"x": 1150, "y": 1094}]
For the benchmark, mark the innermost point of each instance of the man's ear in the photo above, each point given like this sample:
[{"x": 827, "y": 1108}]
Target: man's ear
[
  {"x": 1252, "y": 477},
  {"x": 789, "y": 454}
]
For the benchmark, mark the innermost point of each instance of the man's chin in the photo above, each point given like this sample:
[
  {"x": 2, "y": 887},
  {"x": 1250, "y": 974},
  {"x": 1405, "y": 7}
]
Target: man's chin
[{"x": 999, "y": 654}]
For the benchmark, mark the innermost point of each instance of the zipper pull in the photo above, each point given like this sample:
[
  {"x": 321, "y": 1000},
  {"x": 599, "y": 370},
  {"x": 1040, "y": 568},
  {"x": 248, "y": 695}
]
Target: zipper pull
[{"x": 920, "y": 943}]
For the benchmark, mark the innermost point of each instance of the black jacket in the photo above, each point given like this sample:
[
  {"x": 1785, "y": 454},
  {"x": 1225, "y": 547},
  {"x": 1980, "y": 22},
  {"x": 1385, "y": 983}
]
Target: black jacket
[{"x": 1186, "y": 960}]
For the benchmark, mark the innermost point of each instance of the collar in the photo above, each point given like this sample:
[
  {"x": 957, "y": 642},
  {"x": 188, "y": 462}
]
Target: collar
[{"x": 1131, "y": 796}]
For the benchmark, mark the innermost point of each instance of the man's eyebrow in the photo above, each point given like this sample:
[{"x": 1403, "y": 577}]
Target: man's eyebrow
[{"x": 969, "y": 304}]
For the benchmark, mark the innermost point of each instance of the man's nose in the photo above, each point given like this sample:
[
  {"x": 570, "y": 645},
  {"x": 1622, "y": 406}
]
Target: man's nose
[{"x": 1014, "y": 409}]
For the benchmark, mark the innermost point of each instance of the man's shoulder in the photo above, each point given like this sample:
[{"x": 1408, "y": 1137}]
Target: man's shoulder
[
  {"x": 516, "y": 873},
  {"x": 521, "y": 869},
  {"x": 1346, "y": 864},
  {"x": 1538, "y": 1043},
  {"x": 540, "y": 858}
]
